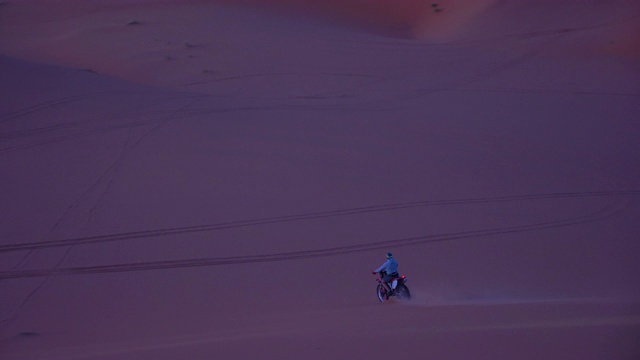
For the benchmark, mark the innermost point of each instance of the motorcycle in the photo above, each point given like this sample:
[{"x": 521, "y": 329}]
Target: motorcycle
[{"x": 397, "y": 286}]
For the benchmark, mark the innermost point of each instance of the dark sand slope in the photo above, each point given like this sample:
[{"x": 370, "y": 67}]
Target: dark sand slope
[{"x": 218, "y": 182}]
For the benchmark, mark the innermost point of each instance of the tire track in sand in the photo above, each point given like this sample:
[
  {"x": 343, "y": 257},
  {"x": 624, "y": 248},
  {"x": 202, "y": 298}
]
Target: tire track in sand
[
  {"x": 144, "y": 234},
  {"x": 600, "y": 214}
]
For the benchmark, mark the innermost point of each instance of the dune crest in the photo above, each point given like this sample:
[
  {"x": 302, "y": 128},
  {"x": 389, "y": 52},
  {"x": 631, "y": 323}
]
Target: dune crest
[{"x": 407, "y": 18}]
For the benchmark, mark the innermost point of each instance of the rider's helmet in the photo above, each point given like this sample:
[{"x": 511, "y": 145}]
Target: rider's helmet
[{"x": 389, "y": 255}]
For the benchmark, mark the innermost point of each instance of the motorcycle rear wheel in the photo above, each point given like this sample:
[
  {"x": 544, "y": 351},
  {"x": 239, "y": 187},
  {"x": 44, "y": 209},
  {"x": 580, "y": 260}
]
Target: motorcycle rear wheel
[{"x": 402, "y": 292}]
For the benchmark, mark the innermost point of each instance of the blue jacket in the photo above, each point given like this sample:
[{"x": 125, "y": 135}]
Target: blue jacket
[{"x": 390, "y": 266}]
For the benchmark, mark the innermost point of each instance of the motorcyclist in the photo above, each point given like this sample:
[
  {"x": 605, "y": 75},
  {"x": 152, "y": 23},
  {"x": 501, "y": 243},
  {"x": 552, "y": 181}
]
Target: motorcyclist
[{"x": 390, "y": 267}]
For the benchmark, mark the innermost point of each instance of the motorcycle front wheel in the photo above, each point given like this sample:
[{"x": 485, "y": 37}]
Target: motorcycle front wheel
[{"x": 381, "y": 292}]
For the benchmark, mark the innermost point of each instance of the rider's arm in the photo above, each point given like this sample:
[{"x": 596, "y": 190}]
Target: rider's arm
[{"x": 382, "y": 267}]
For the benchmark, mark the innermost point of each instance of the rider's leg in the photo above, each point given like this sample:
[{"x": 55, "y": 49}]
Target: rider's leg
[{"x": 385, "y": 283}]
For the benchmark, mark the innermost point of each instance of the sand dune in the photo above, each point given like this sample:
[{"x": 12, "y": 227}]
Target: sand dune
[
  {"x": 216, "y": 179},
  {"x": 217, "y": 44}
]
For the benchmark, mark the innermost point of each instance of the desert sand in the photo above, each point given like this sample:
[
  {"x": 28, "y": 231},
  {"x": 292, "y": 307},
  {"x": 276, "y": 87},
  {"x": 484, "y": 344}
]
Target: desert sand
[{"x": 218, "y": 179}]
